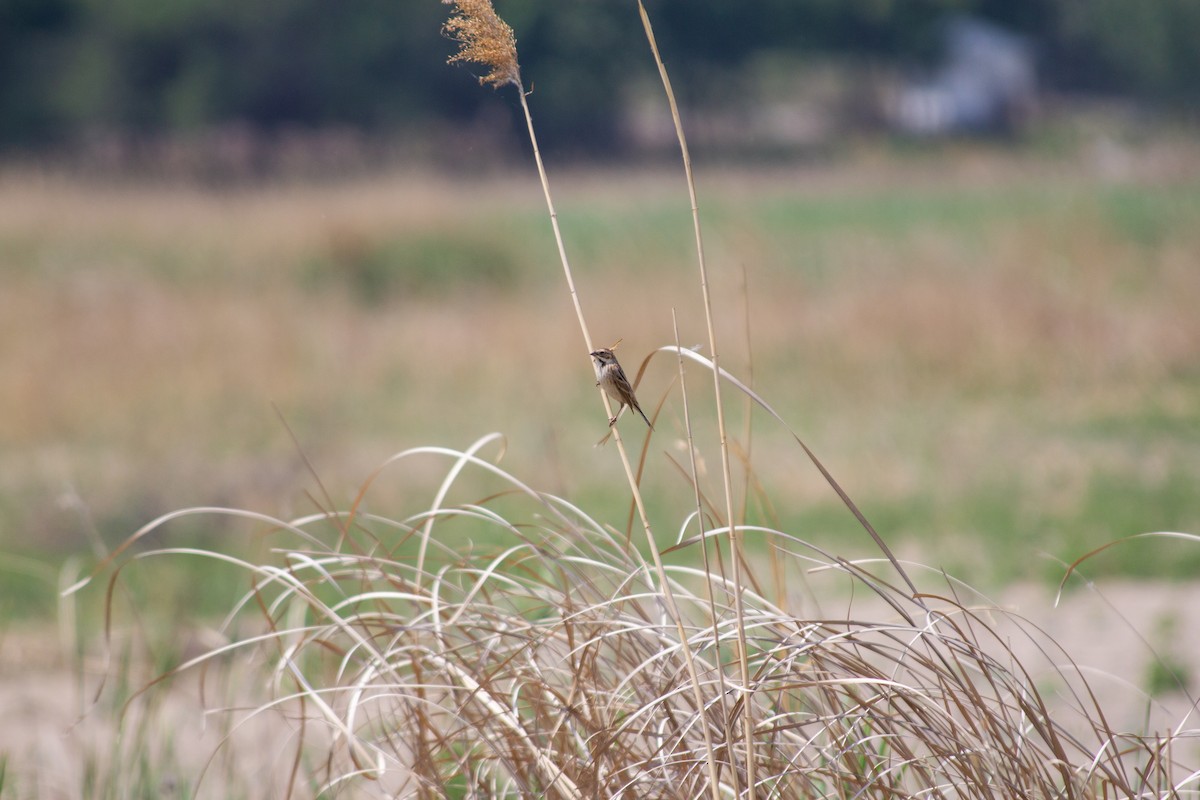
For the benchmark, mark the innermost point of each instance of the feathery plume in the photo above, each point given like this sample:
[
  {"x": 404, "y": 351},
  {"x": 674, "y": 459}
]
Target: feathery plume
[{"x": 483, "y": 38}]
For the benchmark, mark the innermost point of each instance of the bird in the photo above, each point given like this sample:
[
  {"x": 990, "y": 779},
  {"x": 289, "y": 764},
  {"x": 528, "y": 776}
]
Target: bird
[{"x": 611, "y": 378}]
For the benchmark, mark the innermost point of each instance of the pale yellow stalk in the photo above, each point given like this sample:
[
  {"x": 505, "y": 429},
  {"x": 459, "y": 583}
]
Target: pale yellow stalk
[
  {"x": 735, "y": 538},
  {"x": 487, "y": 39}
]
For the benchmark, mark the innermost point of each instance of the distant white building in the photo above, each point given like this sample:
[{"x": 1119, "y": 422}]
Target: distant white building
[{"x": 987, "y": 83}]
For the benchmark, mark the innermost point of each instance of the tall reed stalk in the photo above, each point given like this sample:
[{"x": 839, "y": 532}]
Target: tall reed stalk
[
  {"x": 737, "y": 554},
  {"x": 485, "y": 38}
]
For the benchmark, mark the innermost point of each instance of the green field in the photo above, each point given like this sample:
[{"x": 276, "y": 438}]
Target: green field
[{"x": 998, "y": 356}]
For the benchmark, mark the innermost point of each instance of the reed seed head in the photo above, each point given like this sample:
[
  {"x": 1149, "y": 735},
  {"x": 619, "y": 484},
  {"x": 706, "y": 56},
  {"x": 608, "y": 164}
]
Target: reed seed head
[{"x": 483, "y": 38}]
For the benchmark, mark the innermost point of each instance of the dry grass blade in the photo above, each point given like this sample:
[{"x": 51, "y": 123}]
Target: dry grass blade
[
  {"x": 735, "y": 543},
  {"x": 722, "y": 374}
]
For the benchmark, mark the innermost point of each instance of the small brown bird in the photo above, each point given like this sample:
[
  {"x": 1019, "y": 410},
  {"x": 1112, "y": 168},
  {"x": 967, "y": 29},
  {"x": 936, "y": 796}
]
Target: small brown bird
[{"x": 611, "y": 378}]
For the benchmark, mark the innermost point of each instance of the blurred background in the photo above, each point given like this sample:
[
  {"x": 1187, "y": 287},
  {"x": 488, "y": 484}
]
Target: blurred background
[
  {"x": 220, "y": 91},
  {"x": 955, "y": 243}
]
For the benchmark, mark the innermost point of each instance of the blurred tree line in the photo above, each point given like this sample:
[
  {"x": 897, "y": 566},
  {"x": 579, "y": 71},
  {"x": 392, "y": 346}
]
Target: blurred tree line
[{"x": 70, "y": 68}]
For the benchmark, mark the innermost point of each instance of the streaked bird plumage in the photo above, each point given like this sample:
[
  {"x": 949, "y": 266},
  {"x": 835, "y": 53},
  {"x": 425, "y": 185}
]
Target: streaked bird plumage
[{"x": 611, "y": 378}]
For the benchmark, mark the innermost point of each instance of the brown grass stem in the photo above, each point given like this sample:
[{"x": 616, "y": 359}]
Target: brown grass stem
[
  {"x": 558, "y": 237},
  {"x": 708, "y": 583},
  {"x": 667, "y": 594},
  {"x": 735, "y": 541}
]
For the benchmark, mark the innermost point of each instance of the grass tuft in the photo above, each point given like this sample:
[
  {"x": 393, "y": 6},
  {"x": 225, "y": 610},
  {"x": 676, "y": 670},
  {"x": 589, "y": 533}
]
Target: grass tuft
[{"x": 546, "y": 664}]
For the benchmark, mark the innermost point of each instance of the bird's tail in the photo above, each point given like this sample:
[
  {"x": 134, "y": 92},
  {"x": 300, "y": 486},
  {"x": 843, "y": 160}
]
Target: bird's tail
[{"x": 643, "y": 413}]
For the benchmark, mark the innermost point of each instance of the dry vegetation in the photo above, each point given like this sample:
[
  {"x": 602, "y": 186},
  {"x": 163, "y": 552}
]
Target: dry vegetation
[
  {"x": 996, "y": 355},
  {"x": 547, "y": 665}
]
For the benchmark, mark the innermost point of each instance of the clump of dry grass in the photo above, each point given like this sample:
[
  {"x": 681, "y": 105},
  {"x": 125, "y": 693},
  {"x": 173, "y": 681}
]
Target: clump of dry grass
[{"x": 548, "y": 665}]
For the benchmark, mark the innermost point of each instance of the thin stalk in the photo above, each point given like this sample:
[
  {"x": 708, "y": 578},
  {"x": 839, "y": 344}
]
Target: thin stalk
[
  {"x": 735, "y": 537},
  {"x": 558, "y": 239},
  {"x": 668, "y": 595},
  {"x": 708, "y": 583}
]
